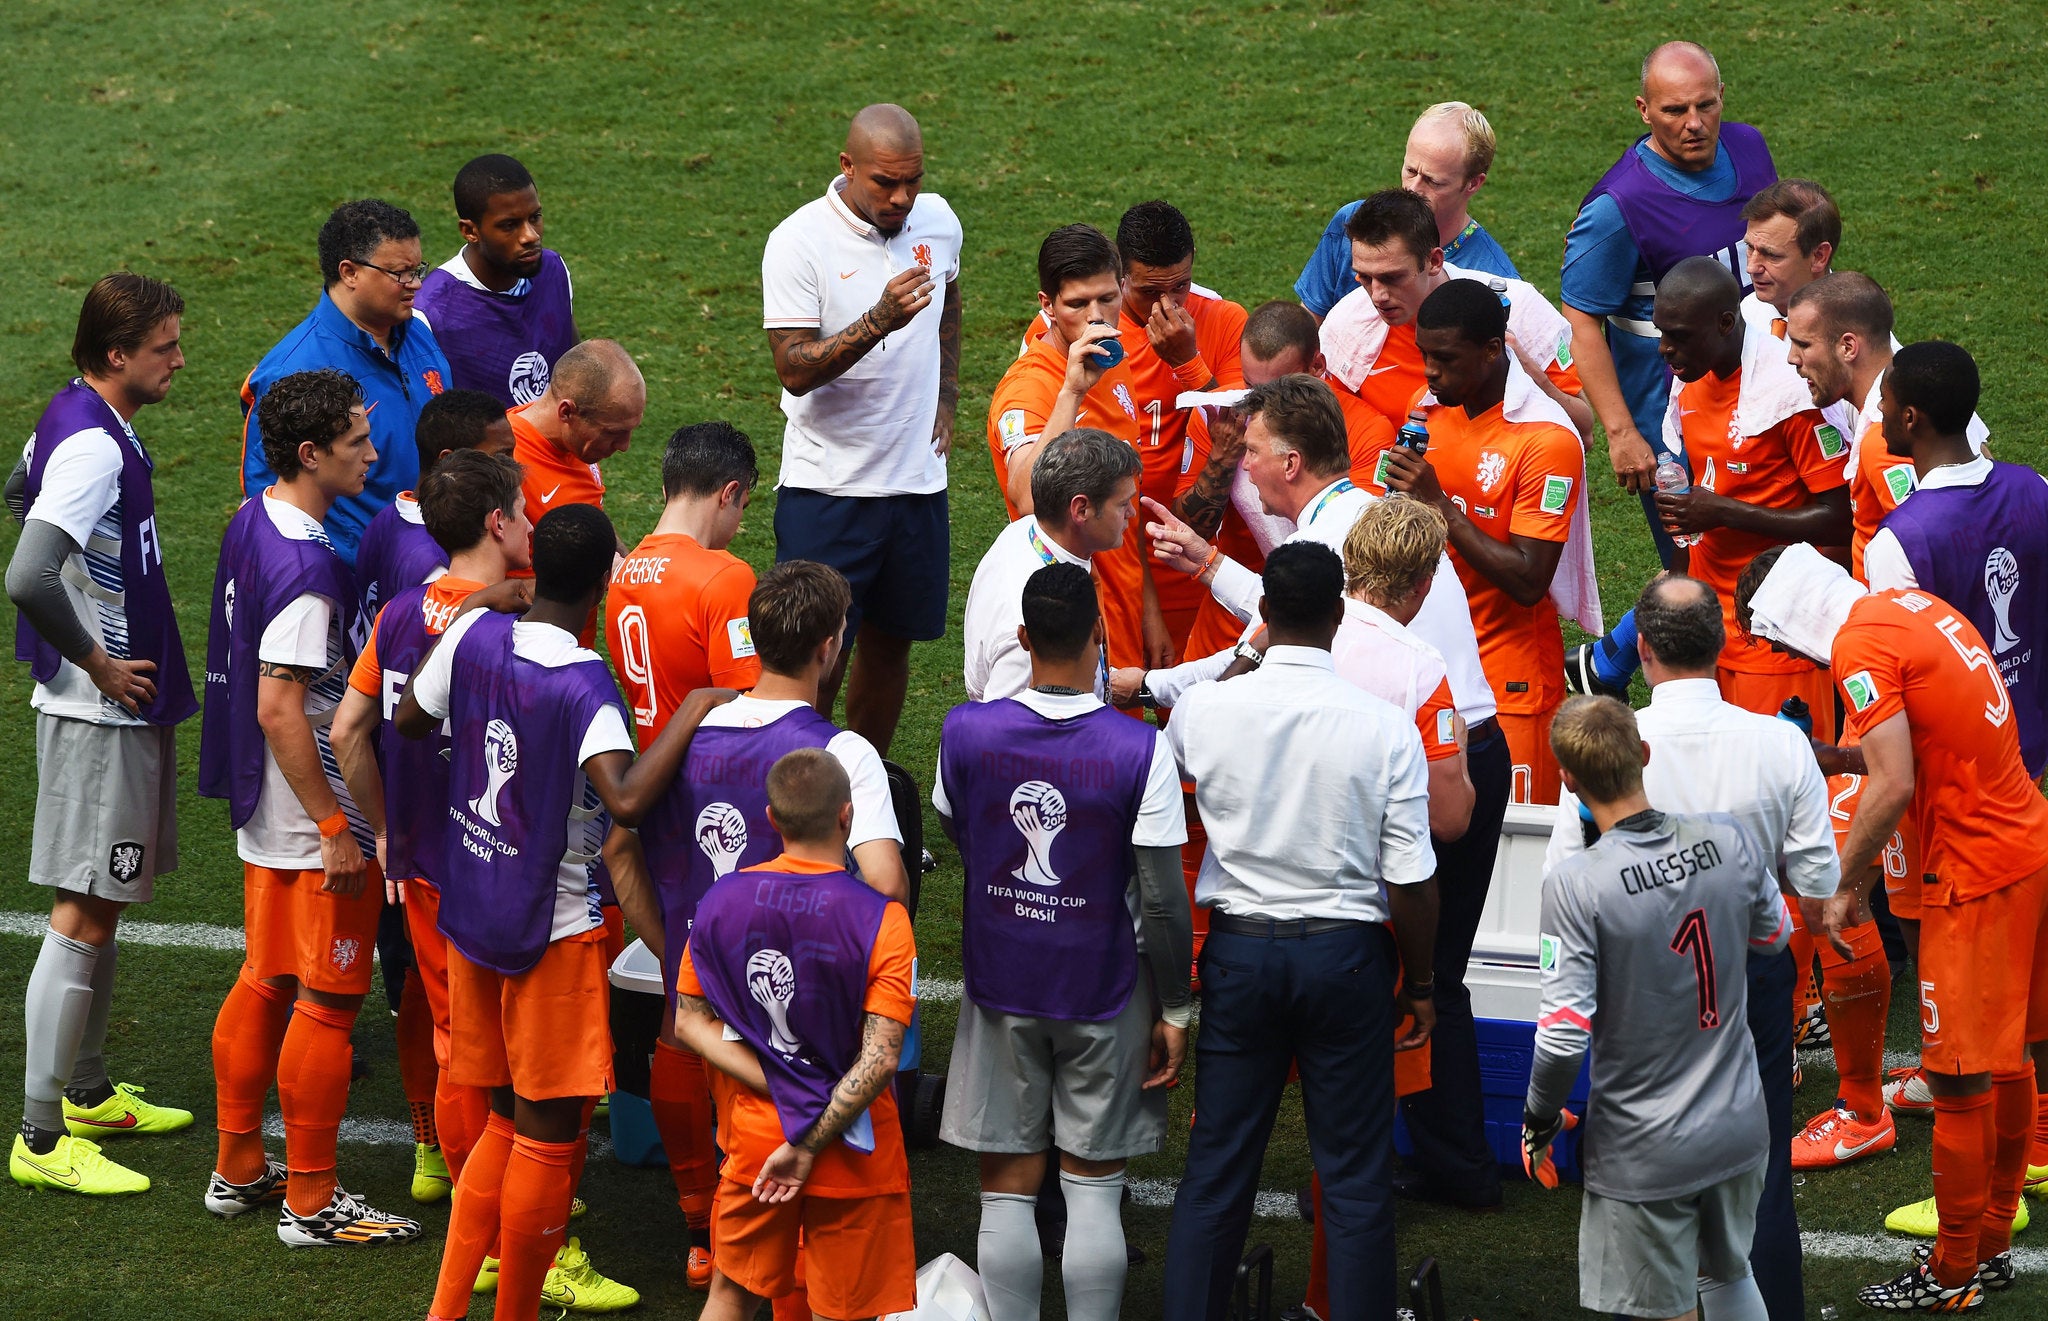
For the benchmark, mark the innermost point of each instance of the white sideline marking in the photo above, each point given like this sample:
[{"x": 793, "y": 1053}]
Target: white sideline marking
[
  {"x": 1891, "y": 1247},
  {"x": 358, "y": 1131},
  {"x": 1159, "y": 1192},
  {"x": 184, "y": 935}
]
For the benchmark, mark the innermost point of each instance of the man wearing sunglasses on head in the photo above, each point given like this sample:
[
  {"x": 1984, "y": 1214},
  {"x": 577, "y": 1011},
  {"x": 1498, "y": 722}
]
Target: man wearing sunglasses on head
[{"x": 364, "y": 325}]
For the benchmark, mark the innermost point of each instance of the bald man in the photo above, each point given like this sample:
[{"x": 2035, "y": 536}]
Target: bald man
[
  {"x": 594, "y": 402},
  {"x": 1449, "y": 151},
  {"x": 1677, "y": 193},
  {"x": 860, "y": 296}
]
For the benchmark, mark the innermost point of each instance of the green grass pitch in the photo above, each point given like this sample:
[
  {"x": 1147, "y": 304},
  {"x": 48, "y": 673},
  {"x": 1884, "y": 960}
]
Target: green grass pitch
[{"x": 205, "y": 142}]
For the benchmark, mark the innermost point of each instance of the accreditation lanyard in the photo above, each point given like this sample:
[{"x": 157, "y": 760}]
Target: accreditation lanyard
[
  {"x": 1343, "y": 485},
  {"x": 1045, "y": 556}
]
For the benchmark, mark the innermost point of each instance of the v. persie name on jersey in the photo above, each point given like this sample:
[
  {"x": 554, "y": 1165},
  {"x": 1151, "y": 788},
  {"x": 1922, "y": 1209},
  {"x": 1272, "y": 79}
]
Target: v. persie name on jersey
[
  {"x": 1673, "y": 867},
  {"x": 639, "y": 569}
]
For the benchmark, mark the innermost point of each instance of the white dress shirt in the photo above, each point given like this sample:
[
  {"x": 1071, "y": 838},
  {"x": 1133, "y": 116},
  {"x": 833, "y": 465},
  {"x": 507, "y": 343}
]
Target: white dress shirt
[
  {"x": 1709, "y": 756},
  {"x": 1314, "y": 793},
  {"x": 1376, "y": 652},
  {"x": 1445, "y": 620},
  {"x": 996, "y": 665},
  {"x": 1885, "y": 565}
]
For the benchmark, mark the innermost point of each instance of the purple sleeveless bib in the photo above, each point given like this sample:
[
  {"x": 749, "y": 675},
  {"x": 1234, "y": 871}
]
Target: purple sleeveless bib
[
  {"x": 512, "y": 781},
  {"x": 1984, "y": 550},
  {"x": 501, "y": 345},
  {"x": 783, "y": 959},
  {"x": 261, "y": 572},
  {"x": 145, "y": 603},
  {"x": 1668, "y": 226},
  {"x": 1043, "y": 811},
  {"x": 713, "y": 820},
  {"x": 415, "y": 770},
  {"x": 394, "y": 554}
]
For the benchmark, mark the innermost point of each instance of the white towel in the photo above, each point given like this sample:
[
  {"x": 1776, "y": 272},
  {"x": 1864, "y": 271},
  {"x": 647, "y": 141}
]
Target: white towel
[
  {"x": 1804, "y": 601},
  {"x": 1770, "y": 391},
  {"x": 1354, "y": 332},
  {"x": 1267, "y": 530}
]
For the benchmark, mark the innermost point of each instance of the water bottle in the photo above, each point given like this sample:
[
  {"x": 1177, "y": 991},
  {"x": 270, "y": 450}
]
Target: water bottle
[
  {"x": 1795, "y": 711},
  {"x": 1108, "y": 352},
  {"x": 1500, "y": 291},
  {"x": 1672, "y": 477},
  {"x": 1414, "y": 434}
]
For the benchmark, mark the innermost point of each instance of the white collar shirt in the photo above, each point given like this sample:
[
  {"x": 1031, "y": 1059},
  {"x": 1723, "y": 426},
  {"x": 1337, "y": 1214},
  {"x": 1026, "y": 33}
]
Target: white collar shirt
[
  {"x": 869, "y": 431},
  {"x": 1314, "y": 793},
  {"x": 1376, "y": 652},
  {"x": 995, "y": 665},
  {"x": 1709, "y": 756}
]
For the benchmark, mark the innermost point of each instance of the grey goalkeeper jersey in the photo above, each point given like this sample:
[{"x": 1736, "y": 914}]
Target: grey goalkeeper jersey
[{"x": 1644, "y": 950}]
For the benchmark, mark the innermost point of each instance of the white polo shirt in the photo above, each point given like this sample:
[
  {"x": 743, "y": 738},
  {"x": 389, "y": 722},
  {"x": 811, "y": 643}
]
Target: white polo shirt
[
  {"x": 996, "y": 666},
  {"x": 869, "y": 432}
]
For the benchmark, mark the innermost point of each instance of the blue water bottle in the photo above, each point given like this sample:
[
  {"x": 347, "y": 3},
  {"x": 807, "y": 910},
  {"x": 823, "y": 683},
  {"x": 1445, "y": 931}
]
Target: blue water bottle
[
  {"x": 1414, "y": 434},
  {"x": 1108, "y": 352}
]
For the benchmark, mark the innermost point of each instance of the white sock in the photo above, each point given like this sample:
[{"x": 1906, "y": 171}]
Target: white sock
[
  {"x": 1008, "y": 1258},
  {"x": 1732, "y": 1300},
  {"x": 89, "y": 1072},
  {"x": 55, "y": 1010},
  {"x": 1094, "y": 1264}
]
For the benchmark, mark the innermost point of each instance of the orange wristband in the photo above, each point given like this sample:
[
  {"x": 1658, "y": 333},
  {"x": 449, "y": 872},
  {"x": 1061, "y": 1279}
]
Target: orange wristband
[
  {"x": 334, "y": 825},
  {"x": 1194, "y": 373},
  {"x": 1208, "y": 569}
]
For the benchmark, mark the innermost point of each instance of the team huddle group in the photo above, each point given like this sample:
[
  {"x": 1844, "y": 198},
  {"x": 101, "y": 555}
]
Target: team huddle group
[{"x": 1334, "y": 538}]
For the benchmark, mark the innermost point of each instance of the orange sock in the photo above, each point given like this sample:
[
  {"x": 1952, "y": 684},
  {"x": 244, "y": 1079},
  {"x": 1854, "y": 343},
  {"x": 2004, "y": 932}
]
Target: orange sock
[
  {"x": 680, "y": 1096},
  {"x": 473, "y": 1217},
  {"x": 1803, "y": 996},
  {"x": 1318, "y": 1295},
  {"x": 248, "y": 1033},
  {"x": 1859, "y": 996},
  {"x": 581, "y": 1155},
  {"x": 312, "y": 1091},
  {"x": 1965, "y": 1137},
  {"x": 459, "y": 1115},
  {"x": 533, "y": 1219},
  {"x": 416, "y": 1068},
  {"x": 2012, "y": 1110}
]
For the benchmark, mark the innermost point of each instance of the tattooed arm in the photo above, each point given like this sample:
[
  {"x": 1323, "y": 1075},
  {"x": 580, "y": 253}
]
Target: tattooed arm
[
  {"x": 881, "y": 1048},
  {"x": 1201, "y": 507},
  {"x": 804, "y": 360},
  {"x": 699, "y": 1028},
  {"x": 281, "y": 714},
  {"x": 949, "y": 371}
]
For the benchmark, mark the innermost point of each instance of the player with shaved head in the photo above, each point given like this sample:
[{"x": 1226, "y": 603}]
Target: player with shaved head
[
  {"x": 861, "y": 300},
  {"x": 594, "y": 402}
]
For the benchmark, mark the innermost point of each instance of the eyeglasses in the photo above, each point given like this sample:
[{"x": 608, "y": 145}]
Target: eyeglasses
[{"x": 416, "y": 275}]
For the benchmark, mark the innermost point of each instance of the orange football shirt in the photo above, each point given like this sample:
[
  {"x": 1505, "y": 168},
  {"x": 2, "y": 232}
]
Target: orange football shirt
[
  {"x": 1981, "y": 821},
  {"x": 444, "y": 597},
  {"x": 1215, "y": 627},
  {"x": 1395, "y": 379},
  {"x": 1512, "y": 479},
  {"x": 1876, "y": 485},
  {"x": 1844, "y": 792},
  {"x": 1023, "y": 400},
  {"x": 1784, "y": 468},
  {"x": 1370, "y": 434},
  {"x": 749, "y": 1129},
  {"x": 676, "y": 619},
  {"x": 553, "y": 478}
]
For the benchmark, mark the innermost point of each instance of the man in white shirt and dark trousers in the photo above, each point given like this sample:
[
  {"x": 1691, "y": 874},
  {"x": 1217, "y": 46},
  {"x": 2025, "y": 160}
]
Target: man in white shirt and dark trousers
[
  {"x": 1644, "y": 939},
  {"x": 1299, "y": 966},
  {"x": 867, "y": 346},
  {"x": 1707, "y": 755},
  {"x": 1064, "y": 811}
]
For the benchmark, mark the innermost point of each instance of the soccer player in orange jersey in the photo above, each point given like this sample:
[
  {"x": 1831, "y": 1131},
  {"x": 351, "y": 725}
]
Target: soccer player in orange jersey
[
  {"x": 1766, "y": 470},
  {"x": 1506, "y": 470},
  {"x": 1212, "y": 496},
  {"x": 1927, "y": 703},
  {"x": 470, "y": 503},
  {"x": 1060, "y": 382},
  {"x": 1369, "y": 337},
  {"x": 1177, "y": 336},
  {"x": 799, "y": 1008},
  {"x": 676, "y": 616},
  {"x": 595, "y": 400}
]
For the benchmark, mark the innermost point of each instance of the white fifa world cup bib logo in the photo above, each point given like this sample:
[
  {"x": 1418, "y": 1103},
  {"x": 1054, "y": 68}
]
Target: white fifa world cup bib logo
[
  {"x": 529, "y": 378},
  {"x": 501, "y": 759},
  {"x": 722, "y": 834},
  {"x": 771, "y": 980},
  {"x": 1040, "y": 813},
  {"x": 2001, "y": 583}
]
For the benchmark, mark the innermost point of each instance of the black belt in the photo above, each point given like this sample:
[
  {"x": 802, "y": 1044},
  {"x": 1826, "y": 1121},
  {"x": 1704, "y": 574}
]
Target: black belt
[
  {"x": 1279, "y": 928},
  {"x": 1485, "y": 731}
]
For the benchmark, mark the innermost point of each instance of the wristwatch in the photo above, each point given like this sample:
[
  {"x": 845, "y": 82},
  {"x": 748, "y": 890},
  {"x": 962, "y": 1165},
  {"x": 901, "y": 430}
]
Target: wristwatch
[
  {"x": 1249, "y": 654},
  {"x": 1144, "y": 697}
]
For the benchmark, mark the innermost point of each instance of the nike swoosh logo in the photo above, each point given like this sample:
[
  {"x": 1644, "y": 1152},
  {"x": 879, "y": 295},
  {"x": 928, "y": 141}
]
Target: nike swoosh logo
[
  {"x": 125, "y": 1121},
  {"x": 371, "y": 407},
  {"x": 551, "y": 494},
  {"x": 557, "y": 1229},
  {"x": 72, "y": 1181},
  {"x": 1843, "y": 1151},
  {"x": 1375, "y": 371},
  {"x": 848, "y": 275}
]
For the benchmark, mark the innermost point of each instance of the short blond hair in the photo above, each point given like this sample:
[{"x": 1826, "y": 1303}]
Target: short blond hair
[
  {"x": 1478, "y": 134},
  {"x": 1392, "y": 549},
  {"x": 1595, "y": 738}
]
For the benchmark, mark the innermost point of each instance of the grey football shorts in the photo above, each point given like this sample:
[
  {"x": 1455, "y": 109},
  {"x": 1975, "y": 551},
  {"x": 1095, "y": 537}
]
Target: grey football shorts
[
  {"x": 1647, "y": 1258},
  {"x": 106, "y": 808},
  {"x": 1020, "y": 1085}
]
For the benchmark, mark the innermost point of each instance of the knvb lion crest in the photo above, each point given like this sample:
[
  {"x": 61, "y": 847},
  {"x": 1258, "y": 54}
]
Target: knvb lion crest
[
  {"x": 125, "y": 862},
  {"x": 346, "y": 950},
  {"x": 922, "y": 255},
  {"x": 1492, "y": 466}
]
